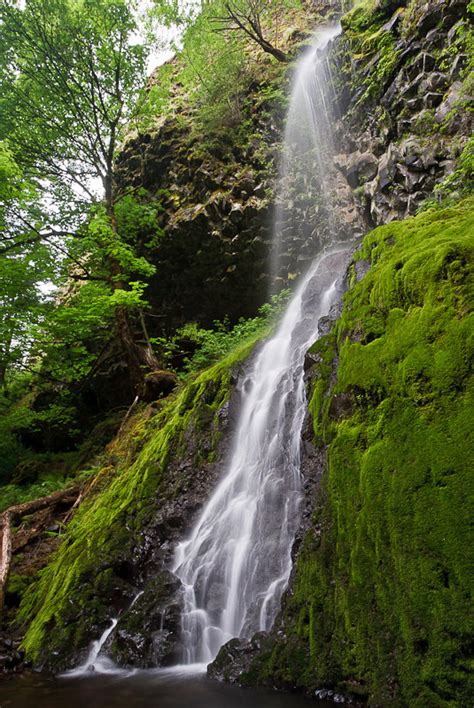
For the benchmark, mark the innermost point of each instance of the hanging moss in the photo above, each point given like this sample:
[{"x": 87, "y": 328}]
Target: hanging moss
[
  {"x": 380, "y": 603},
  {"x": 73, "y": 596}
]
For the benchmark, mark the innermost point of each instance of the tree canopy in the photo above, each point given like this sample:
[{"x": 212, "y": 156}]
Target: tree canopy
[{"x": 78, "y": 69}]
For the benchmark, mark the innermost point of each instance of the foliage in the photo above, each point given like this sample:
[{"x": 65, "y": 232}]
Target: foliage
[
  {"x": 11, "y": 449},
  {"x": 215, "y": 70},
  {"x": 21, "y": 301},
  {"x": 77, "y": 75},
  {"x": 12, "y": 494},
  {"x": 77, "y": 69},
  {"x": 22, "y": 304},
  {"x": 196, "y": 347},
  {"x": 247, "y": 16}
]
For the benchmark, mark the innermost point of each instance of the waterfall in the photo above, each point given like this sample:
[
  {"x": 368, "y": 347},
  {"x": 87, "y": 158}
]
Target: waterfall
[
  {"x": 236, "y": 563},
  {"x": 305, "y": 221},
  {"x": 96, "y": 661}
]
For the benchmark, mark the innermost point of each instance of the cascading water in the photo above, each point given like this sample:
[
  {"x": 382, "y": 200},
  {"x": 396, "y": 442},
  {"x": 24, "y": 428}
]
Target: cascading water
[
  {"x": 305, "y": 220},
  {"x": 236, "y": 563},
  {"x": 96, "y": 661}
]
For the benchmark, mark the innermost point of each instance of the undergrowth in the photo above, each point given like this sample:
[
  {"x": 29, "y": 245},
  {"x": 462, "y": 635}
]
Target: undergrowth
[{"x": 193, "y": 348}]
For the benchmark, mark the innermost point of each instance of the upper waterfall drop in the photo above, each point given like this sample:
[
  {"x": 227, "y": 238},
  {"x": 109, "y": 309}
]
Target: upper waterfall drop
[
  {"x": 305, "y": 221},
  {"x": 236, "y": 563}
]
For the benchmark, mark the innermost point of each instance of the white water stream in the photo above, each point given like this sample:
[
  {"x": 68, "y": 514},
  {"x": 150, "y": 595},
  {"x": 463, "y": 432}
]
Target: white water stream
[
  {"x": 304, "y": 217},
  {"x": 236, "y": 563},
  {"x": 96, "y": 661}
]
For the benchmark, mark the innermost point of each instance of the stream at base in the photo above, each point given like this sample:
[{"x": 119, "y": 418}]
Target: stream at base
[{"x": 142, "y": 689}]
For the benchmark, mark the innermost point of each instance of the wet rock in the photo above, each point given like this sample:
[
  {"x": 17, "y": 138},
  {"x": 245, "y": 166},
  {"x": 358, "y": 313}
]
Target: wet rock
[
  {"x": 147, "y": 633},
  {"x": 324, "y": 326},
  {"x": 357, "y": 167},
  {"x": 422, "y": 64},
  {"x": 311, "y": 360},
  {"x": 5, "y": 661},
  {"x": 342, "y": 406},
  {"x": 12, "y": 658},
  {"x": 449, "y": 101},
  {"x": 393, "y": 22},
  {"x": 327, "y": 694},
  {"x": 430, "y": 15},
  {"x": 420, "y": 93},
  {"x": 458, "y": 65},
  {"x": 432, "y": 100},
  {"x": 362, "y": 267},
  {"x": 386, "y": 169},
  {"x": 235, "y": 658},
  {"x": 436, "y": 81}
]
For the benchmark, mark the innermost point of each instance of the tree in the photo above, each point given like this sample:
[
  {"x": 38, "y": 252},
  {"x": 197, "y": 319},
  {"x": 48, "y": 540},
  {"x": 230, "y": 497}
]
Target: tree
[
  {"x": 77, "y": 70},
  {"x": 23, "y": 264},
  {"x": 246, "y": 16}
]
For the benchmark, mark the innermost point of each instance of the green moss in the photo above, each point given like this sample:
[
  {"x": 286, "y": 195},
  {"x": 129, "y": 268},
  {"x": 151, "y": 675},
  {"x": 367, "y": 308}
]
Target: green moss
[
  {"x": 380, "y": 604},
  {"x": 373, "y": 50},
  {"x": 323, "y": 350},
  {"x": 73, "y": 591}
]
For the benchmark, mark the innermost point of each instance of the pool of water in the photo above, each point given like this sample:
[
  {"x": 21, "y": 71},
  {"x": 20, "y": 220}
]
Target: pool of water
[{"x": 143, "y": 689}]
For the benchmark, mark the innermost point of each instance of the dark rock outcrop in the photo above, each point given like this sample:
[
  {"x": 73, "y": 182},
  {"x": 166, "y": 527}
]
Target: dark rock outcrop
[{"x": 403, "y": 92}]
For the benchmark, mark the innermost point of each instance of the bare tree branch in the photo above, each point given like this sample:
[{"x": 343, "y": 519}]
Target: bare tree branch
[{"x": 250, "y": 24}]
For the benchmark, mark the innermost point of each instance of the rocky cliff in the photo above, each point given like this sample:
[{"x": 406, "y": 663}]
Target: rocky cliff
[{"x": 403, "y": 85}]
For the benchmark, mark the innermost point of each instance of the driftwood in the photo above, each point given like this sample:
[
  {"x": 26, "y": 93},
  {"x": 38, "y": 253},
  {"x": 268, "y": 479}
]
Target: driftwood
[{"x": 13, "y": 514}]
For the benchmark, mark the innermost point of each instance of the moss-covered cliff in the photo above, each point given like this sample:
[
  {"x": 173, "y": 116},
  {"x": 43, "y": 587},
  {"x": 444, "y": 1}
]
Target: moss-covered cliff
[{"x": 379, "y": 602}]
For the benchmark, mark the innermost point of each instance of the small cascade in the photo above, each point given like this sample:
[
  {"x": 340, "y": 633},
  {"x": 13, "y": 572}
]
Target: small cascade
[
  {"x": 96, "y": 661},
  {"x": 236, "y": 563}
]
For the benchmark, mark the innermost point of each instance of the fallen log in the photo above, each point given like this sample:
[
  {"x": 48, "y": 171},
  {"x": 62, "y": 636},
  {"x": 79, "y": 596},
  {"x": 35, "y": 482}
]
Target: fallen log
[{"x": 14, "y": 513}]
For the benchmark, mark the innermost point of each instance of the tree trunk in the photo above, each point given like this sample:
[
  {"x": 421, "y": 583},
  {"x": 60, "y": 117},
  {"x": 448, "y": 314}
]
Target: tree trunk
[
  {"x": 140, "y": 359},
  {"x": 274, "y": 51}
]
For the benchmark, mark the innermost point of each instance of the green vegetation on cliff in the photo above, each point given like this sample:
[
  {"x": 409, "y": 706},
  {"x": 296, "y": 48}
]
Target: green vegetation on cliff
[
  {"x": 383, "y": 581},
  {"x": 192, "y": 153},
  {"x": 107, "y": 527},
  {"x": 379, "y": 607}
]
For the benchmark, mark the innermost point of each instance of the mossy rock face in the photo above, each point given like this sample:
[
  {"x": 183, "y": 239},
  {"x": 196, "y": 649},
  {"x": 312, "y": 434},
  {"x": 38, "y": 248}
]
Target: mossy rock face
[
  {"x": 379, "y": 601},
  {"x": 122, "y": 537},
  {"x": 403, "y": 76}
]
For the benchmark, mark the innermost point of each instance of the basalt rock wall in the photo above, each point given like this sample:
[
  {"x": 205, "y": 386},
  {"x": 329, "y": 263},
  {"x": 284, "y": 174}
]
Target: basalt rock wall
[{"x": 404, "y": 81}]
